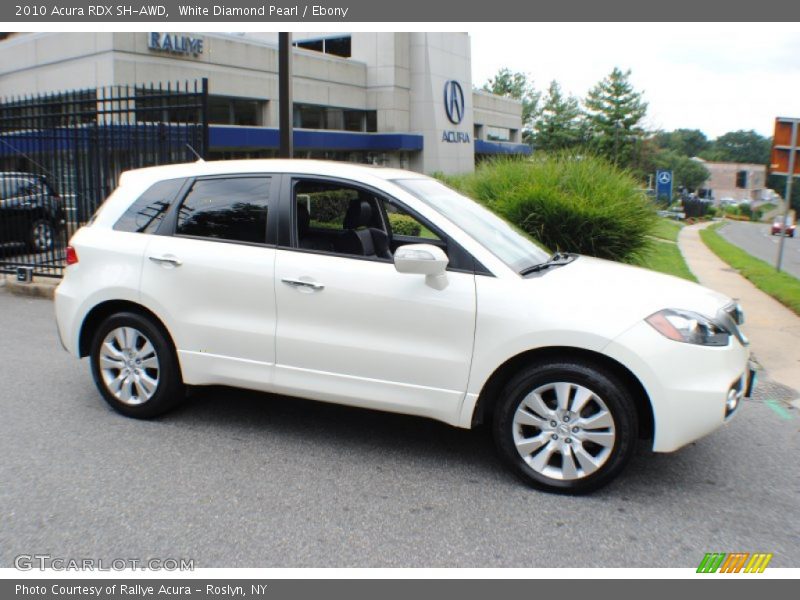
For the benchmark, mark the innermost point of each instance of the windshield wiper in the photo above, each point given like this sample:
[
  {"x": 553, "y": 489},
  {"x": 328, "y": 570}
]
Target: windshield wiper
[{"x": 558, "y": 259}]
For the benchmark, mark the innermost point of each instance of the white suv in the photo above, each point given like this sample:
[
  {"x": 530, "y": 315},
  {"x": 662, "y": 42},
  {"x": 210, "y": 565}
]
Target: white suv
[{"x": 385, "y": 289}]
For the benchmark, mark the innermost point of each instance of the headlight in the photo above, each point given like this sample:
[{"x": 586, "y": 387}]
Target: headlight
[{"x": 689, "y": 327}]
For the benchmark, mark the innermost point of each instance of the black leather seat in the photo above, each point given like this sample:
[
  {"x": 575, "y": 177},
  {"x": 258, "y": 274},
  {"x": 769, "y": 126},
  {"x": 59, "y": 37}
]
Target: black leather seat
[{"x": 359, "y": 237}]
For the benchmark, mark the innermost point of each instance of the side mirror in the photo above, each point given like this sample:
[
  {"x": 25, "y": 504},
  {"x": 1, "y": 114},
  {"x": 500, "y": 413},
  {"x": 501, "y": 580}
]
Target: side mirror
[{"x": 423, "y": 259}]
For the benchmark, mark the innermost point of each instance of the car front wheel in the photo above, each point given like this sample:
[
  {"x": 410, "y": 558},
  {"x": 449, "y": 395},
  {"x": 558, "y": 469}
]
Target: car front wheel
[
  {"x": 566, "y": 427},
  {"x": 42, "y": 236},
  {"x": 134, "y": 366}
]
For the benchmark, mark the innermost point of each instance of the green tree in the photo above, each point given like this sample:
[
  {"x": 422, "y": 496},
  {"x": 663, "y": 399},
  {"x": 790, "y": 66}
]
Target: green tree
[
  {"x": 520, "y": 87},
  {"x": 560, "y": 123},
  {"x": 686, "y": 142},
  {"x": 614, "y": 115},
  {"x": 740, "y": 146}
]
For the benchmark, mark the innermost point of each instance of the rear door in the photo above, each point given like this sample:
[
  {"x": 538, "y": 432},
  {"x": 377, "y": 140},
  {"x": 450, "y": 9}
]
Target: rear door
[{"x": 211, "y": 278}]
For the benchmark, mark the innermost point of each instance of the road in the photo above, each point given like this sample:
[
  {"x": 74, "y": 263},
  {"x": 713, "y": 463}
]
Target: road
[
  {"x": 755, "y": 239},
  {"x": 237, "y": 479}
]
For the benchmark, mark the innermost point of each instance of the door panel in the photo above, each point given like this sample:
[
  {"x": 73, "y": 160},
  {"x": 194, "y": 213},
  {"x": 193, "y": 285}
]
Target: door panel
[
  {"x": 372, "y": 336},
  {"x": 219, "y": 304}
]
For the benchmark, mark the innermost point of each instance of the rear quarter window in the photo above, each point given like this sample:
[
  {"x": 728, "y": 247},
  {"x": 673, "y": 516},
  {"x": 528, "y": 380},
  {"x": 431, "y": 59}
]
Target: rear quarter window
[{"x": 147, "y": 212}]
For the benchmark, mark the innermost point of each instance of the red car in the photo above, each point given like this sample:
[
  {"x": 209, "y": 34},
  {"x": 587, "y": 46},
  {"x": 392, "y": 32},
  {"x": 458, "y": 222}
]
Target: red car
[{"x": 777, "y": 227}]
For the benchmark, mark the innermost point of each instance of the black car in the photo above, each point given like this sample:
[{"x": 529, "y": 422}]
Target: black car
[{"x": 31, "y": 211}]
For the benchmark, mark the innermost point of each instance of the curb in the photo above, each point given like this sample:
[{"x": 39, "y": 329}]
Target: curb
[{"x": 40, "y": 288}]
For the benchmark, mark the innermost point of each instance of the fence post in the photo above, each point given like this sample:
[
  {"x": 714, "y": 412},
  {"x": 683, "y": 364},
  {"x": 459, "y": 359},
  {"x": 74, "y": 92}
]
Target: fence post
[{"x": 204, "y": 119}]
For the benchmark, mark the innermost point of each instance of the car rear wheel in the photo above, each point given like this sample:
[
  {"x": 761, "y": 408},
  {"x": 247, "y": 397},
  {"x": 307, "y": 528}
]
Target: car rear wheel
[
  {"x": 134, "y": 366},
  {"x": 42, "y": 236},
  {"x": 566, "y": 427}
]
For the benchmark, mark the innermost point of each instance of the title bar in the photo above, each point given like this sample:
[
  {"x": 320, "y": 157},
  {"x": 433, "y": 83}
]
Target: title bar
[{"x": 170, "y": 11}]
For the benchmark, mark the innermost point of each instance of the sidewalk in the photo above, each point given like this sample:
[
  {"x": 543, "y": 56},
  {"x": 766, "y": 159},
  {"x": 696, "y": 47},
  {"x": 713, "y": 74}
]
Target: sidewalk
[
  {"x": 41, "y": 287},
  {"x": 773, "y": 329}
]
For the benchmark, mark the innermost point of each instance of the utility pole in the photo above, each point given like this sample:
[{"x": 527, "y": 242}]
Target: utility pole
[
  {"x": 779, "y": 148},
  {"x": 285, "y": 103}
]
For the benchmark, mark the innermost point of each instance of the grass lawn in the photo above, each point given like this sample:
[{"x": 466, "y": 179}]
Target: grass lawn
[
  {"x": 781, "y": 286},
  {"x": 665, "y": 257},
  {"x": 667, "y": 229}
]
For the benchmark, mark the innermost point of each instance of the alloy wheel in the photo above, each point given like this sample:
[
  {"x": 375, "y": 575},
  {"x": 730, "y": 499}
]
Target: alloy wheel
[
  {"x": 129, "y": 365},
  {"x": 42, "y": 236},
  {"x": 563, "y": 431}
]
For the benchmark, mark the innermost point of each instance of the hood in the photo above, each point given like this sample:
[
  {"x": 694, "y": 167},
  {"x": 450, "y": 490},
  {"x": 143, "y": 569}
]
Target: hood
[{"x": 623, "y": 293}]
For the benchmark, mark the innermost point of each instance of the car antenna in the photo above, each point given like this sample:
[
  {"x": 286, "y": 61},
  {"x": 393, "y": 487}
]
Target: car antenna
[
  {"x": 26, "y": 157},
  {"x": 199, "y": 158}
]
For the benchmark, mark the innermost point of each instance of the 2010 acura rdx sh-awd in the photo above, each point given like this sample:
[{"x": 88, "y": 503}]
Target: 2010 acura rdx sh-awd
[{"x": 386, "y": 289}]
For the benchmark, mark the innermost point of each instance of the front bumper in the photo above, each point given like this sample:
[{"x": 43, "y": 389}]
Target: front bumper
[{"x": 689, "y": 386}]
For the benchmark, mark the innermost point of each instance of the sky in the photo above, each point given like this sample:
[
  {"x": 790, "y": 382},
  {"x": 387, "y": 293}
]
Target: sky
[{"x": 712, "y": 77}]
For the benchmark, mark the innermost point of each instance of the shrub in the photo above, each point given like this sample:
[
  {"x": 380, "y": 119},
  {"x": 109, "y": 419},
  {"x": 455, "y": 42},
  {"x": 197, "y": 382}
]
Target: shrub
[
  {"x": 745, "y": 210},
  {"x": 329, "y": 206},
  {"x": 404, "y": 225},
  {"x": 569, "y": 203}
]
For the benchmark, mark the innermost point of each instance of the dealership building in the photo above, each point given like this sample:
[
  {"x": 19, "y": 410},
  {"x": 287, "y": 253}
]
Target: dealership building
[{"x": 394, "y": 99}]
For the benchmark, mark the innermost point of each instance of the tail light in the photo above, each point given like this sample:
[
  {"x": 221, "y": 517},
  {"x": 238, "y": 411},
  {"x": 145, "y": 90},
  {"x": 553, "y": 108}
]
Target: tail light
[{"x": 72, "y": 256}]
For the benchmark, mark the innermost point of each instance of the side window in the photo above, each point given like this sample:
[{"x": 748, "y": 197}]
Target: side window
[
  {"x": 231, "y": 209},
  {"x": 28, "y": 187},
  {"x": 145, "y": 215},
  {"x": 328, "y": 215},
  {"x": 342, "y": 219},
  {"x": 406, "y": 225},
  {"x": 9, "y": 187}
]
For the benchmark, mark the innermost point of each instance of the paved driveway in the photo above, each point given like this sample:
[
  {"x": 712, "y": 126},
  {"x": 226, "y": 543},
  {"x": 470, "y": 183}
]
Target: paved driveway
[
  {"x": 755, "y": 238},
  {"x": 235, "y": 479}
]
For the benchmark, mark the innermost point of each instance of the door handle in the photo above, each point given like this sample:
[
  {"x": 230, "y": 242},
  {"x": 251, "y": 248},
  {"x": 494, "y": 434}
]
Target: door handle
[
  {"x": 166, "y": 260},
  {"x": 306, "y": 284}
]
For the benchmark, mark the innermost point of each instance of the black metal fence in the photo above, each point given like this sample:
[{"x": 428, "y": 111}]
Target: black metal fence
[{"x": 61, "y": 155}]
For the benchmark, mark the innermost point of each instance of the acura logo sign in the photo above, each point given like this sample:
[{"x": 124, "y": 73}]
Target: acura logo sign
[{"x": 454, "y": 101}]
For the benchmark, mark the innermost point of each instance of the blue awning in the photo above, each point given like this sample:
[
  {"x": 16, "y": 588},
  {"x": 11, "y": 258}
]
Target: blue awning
[{"x": 226, "y": 136}]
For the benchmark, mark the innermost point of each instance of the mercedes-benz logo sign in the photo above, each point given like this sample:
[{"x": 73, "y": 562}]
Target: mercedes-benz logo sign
[
  {"x": 454, "y": 101},
  {"x": 664, "y": 177}
]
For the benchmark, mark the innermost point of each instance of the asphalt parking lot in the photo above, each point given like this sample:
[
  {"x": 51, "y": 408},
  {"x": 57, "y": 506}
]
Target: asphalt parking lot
[
  {"x": 236, "y": 479},
  {"x": 755, "y": 239}
]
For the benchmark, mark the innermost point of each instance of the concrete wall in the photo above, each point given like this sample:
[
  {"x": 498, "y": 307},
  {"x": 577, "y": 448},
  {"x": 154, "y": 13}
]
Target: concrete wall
[
  {"x": 387, "y": 56},
  {"x": 435, "y": 59},
  {"x": 495, "y": 111},
  {"x": 42, "y": 62},
  {"x": 723, "y": 180}
]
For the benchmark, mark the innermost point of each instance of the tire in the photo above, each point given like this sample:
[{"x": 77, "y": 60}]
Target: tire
[
  {"x": 42, "y": 236},
  {"x": 153, "y": 385},
  {"x": 572, "y": 451}
]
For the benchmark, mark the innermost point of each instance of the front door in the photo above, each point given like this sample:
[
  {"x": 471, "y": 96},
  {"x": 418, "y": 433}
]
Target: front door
[{"x": 351, "y": 329}]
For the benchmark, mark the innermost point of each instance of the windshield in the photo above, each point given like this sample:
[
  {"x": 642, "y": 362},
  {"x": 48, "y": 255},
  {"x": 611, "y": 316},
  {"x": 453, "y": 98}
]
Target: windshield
[{"x": 498, "y": 236}]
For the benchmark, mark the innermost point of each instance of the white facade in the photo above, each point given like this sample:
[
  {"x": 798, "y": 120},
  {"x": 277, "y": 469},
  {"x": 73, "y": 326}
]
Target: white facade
[{"x": 397, "y": 80}]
